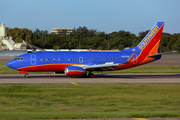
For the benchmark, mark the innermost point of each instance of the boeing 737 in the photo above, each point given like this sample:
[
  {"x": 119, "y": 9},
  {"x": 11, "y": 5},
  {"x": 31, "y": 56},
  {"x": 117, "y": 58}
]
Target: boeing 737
[{"x": 84, "y": 63}]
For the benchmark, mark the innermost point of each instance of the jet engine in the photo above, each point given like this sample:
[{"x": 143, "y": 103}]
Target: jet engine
[{"x": 74, "y": 71}]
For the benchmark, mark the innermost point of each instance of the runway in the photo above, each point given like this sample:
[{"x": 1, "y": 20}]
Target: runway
[{"x": 123, "y": 78}]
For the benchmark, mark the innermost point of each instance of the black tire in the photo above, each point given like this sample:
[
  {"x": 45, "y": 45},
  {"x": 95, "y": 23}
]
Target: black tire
[{"x": 26, "y": 75}]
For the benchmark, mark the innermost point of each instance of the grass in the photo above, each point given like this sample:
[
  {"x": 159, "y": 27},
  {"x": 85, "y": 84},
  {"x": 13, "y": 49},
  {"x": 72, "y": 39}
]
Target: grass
[
  {"x": 140, "y": 69},
  {"x": 89, "y": 101}
]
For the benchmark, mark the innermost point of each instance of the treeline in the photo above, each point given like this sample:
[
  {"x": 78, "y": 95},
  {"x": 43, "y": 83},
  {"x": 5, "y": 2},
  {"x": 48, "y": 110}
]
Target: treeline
[{"x": 83, "y": 38}]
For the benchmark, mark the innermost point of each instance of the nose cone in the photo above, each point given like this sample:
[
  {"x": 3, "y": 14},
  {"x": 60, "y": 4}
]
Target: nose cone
[{"x": 10, "y": 64}]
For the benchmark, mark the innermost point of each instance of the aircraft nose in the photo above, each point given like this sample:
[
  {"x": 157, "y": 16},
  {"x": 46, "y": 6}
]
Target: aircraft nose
[{"x": 10, "y": 64}]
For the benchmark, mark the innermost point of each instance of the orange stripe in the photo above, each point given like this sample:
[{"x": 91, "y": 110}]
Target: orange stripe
[{"x": 153, "y": 51}]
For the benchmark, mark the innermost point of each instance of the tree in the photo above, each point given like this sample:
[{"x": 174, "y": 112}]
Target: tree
[
  {"x": 142, "y": 34},
  {"x": 18, "y": 34}
]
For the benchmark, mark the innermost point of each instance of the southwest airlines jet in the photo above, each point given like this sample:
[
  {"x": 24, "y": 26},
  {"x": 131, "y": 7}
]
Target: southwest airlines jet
[{"x": 84, "y": 63}]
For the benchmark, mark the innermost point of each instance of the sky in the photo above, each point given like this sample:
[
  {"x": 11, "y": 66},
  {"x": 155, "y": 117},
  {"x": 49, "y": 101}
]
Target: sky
[{"x": 102, "y": 15}]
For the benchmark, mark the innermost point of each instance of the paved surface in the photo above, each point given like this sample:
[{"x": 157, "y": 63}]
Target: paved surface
[
  {"x": 132, "y": 78},
  {"x": 124, "y": 78}
]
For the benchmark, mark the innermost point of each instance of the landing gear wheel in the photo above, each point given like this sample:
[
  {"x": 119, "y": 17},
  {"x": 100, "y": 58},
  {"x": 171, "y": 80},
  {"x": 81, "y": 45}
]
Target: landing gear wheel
[
  {"x": 84, "y": 75},
  {"x": 26, "y": 75},
  {"x": 91, "y": 75}
]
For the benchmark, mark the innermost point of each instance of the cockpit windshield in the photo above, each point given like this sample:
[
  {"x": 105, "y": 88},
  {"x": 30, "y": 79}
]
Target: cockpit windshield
[{"x": 19, "y": 58}]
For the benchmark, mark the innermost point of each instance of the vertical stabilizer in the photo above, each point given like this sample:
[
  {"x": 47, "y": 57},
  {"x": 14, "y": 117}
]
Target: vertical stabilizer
[{"x": 151, "y": 41}]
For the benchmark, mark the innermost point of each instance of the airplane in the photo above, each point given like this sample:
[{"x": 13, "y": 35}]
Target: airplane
[{"x": 84, "y": 63}]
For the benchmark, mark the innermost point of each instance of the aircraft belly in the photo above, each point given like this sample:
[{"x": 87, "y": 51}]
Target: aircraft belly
[{"x": 49, "y": 67}]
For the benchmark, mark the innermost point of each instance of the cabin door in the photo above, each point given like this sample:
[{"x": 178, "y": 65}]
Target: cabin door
[{"x": 33, "y": 59}]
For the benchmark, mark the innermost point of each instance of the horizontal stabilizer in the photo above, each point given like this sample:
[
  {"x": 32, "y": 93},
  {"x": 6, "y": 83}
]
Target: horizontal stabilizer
[{"x": 161, "y": 54}]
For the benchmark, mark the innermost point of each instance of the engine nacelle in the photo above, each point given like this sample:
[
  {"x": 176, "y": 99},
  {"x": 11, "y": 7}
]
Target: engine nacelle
[{"x": 74, "y": 71}]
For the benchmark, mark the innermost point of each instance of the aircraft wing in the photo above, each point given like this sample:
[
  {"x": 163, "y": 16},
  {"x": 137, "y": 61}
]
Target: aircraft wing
[{"x": 109, "y": 66}]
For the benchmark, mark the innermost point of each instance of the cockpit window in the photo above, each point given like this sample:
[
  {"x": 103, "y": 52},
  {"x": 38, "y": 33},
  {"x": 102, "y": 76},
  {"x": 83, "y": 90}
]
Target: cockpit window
[{"x": 19, "y": 58}]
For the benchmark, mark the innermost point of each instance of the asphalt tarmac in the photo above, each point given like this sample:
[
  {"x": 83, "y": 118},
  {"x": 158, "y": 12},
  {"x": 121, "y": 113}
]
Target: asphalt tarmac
[{"x": 123, "y": 78}]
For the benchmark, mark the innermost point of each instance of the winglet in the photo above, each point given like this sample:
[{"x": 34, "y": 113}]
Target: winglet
[{"x": 130, "y": 58}]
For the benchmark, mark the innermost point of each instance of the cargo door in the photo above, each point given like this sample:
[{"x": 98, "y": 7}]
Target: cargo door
[{"x": 80, "y": 59}]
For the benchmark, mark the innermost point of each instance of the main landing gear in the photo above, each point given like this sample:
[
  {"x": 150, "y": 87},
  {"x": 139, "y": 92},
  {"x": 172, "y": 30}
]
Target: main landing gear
[{"x": 91, "y": 75}]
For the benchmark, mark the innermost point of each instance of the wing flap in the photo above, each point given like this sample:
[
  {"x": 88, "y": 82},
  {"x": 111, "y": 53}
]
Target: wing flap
[{"x": 110, "y": 66}]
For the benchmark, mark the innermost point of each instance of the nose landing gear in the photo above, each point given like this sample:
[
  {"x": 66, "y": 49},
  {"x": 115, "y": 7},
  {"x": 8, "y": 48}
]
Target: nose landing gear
[{"x": 26, "y": 75}]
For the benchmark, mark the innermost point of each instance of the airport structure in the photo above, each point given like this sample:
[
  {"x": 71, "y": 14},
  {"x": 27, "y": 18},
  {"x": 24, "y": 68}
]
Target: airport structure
[
  {"x": 57, "y": 30},
  {"x": 6, "y": 43}
]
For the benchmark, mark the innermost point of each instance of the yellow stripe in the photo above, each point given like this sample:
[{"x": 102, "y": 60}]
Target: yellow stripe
[
  {"x": 139, "y": 119},
  {"x": 73, "y": 83}
]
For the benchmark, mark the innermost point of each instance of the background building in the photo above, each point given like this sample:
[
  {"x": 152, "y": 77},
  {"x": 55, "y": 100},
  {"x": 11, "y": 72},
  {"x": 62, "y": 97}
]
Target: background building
[
  {"x": 6, "y": 43},
  {"x": 57, "y": 30}
]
